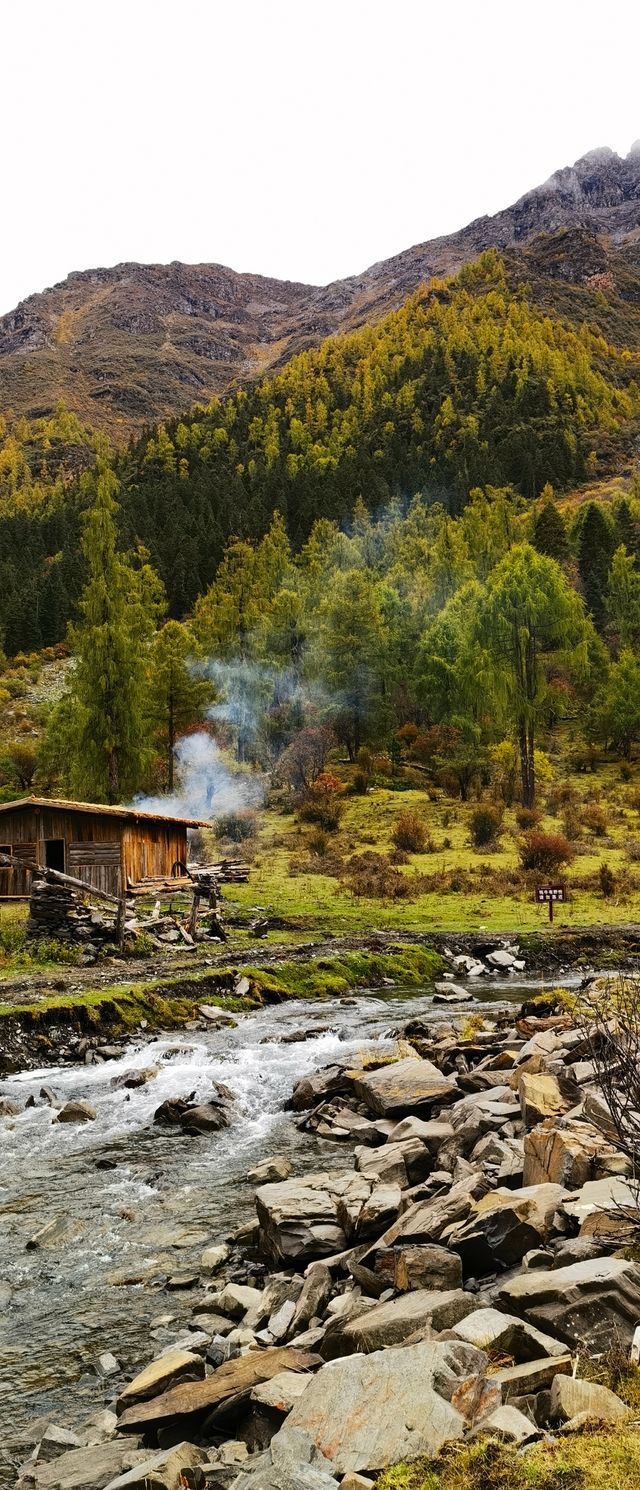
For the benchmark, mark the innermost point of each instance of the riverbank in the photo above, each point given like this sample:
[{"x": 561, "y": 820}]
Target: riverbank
[
  {"x": 39, "y": 1011},
  {"x": 435, "y": 1262}
]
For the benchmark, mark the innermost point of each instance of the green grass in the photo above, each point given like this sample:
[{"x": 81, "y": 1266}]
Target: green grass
[
  {"x": 170, "y": 1001},
  {"x": 587, "y": 1461},
  {"x": 287, "y": 880}
]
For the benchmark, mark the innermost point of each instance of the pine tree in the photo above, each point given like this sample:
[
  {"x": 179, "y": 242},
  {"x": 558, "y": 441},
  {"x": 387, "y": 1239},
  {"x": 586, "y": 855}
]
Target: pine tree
[
  {"x": 595, "y": 551},
  {"x": 528, "y": 614},
  {"x": 623, "y": 599},
  {"x": 550, "y": 531},
  {"x": 107, "y": 738},
  {"x": 177, "y": 693}
]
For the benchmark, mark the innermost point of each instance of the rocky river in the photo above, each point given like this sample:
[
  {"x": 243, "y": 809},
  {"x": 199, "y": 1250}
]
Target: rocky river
[
  {"x": 425, "y": 1240},
  {"x": 137, "y": 1204}
]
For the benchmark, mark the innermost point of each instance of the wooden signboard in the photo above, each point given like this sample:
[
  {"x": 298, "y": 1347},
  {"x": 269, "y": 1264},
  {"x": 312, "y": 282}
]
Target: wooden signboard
[{"x": 550, "y": 895}]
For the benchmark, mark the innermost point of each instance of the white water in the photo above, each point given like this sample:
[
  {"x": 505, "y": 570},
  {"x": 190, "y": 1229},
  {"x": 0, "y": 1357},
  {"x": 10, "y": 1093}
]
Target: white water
[{"x": 168, "y": 1197}]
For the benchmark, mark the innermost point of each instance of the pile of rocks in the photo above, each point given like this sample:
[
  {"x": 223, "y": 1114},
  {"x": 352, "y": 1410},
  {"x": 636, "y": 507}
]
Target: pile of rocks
[
  {"x": 449, "y": 1284},
  {"x": 58, "y": 911}
]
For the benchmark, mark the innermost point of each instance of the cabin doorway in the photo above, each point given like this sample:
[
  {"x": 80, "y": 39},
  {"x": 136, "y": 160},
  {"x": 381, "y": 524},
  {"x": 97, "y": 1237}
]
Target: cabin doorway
[{"x": 54, "y": 854}]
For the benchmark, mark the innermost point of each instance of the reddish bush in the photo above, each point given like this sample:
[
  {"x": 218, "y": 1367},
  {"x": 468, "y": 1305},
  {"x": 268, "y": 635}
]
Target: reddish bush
[
  {"x": 545, "y": 852},
  {"x": 436, "y": 743}
]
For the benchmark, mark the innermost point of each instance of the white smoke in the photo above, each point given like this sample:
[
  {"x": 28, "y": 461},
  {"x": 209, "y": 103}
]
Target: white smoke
[{"x": 207, "y": 788}]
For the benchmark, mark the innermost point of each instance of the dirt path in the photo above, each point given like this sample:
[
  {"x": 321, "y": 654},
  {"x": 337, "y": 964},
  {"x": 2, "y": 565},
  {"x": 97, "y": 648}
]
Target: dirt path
[{"x": 546, "y": 951}]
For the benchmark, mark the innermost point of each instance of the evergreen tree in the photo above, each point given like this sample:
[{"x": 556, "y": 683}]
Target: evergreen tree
[
  {"x": 626, "y": 529},
  {"x": 550, "y": 530},
  {"x": 617, "y": 708},
  {"x": 595, "y": 551},
  {"x": 623, "y": 599},
  {"x": 352, "y": 643},
  {"x": 106, "y": 734},
  {"x": 177, "y": 693},
  {"x": 528, "y": 615}
]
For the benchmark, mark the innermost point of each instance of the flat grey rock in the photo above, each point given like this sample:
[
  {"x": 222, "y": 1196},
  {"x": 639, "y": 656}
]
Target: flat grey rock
[{"x": 368, "y": 1412}]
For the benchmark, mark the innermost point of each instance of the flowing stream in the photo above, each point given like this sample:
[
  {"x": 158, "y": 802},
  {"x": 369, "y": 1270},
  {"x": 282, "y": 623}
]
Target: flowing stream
[{"x": 137, "y": 1204}]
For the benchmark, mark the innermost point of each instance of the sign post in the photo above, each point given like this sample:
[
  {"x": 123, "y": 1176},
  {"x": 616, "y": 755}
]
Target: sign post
[{"x": 550, "y": 895}]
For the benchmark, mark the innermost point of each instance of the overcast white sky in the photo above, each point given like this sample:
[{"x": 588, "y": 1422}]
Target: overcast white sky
[{"x": 304, "y": 140}]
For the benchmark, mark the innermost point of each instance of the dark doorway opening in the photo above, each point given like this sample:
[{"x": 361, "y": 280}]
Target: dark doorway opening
[{"x": 54, "y": 854}]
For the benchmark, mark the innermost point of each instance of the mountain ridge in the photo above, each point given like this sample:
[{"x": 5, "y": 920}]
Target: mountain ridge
[{"x": 132, "y": 344}]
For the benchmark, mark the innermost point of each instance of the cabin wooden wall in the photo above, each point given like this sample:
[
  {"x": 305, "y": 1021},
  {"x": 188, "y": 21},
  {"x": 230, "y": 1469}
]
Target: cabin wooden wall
[
  {"x": 103, "y": 850},
  {"x": 150, "y": 850}
]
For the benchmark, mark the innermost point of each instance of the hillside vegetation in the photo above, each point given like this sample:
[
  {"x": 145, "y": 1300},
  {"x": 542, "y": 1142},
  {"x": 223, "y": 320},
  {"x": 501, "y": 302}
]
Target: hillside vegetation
[{"x": 469, "y": 384}]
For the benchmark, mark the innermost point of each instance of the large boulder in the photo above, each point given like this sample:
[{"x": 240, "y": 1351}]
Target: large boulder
[
  {"x": 426, "y": 1267},
  {"x": 570, "y": 1396},
  {"x": 391, "y": 1323},
  {"x": 292, "y": 1462},
  {"x": 197, "y": 1117},
  {"x": 427, "y": 1220},
  {"x": 540, "y": 1097},
  {"x": 504, "y": 1225},
  {"x": 404, "y": 1086},
  {"x": 163, "y": 1470},
  {"x": 591, "y": 1304},
  {"x": 229, "y": 1386},
  {"x": 563, "y": 1153},
  {"x": 505, "y": 1334},
  {"x": 165, "y": 1372},
  {"x": 270, "y": 1171},
  {"x": 76, "y": 1112},
  {"x": 83, "y": 1469},
  {"x": 373, "y": 1410},
  {"x": 603, "y": 1202},
  {"x": 299, "y": 1217}
]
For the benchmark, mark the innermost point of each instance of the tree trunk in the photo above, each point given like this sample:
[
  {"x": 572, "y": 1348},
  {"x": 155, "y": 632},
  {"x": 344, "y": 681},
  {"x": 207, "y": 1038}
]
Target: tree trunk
[
  {"x": 113, "y": 777},
  {"x": 171, "y": 739}
]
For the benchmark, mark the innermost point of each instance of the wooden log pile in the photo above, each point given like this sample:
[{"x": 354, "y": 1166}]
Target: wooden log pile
[{"x": 226, "y": 872}]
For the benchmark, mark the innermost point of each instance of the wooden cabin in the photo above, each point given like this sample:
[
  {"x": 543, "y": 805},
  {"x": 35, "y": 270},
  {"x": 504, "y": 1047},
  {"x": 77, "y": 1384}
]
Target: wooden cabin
[{"x": 108, "y": 847}]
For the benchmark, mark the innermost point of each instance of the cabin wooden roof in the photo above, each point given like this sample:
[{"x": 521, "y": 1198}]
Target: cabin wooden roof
[{"x": 128, "y": 814}]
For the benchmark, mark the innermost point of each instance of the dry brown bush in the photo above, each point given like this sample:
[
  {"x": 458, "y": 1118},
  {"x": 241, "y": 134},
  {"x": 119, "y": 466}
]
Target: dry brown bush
[
  {"x": 594, "y": 819},
  {"x": 411, "y": 834},
  {"x": 375, "y": 877}
]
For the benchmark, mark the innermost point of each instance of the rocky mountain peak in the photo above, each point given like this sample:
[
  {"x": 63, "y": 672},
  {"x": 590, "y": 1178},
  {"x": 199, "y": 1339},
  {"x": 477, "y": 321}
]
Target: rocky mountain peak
[{"x": 127, "y": 345}]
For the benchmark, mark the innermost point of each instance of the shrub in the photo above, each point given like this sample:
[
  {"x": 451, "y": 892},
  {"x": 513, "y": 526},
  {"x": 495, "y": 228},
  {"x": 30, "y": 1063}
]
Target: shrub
[
  {"x": 545, "y": 852},
  {"x": 318, "y": 842},
  {"x": 321, "y": 803},
  {"x": 572, "y": 821},
  {"x": 486, "y": 825},
  {"x": 236, "y": 826},
  {"x": 527, "y": 817},
  {"x": 626, "y": 771},
  {"x": 607, "y": 880},
  {"x": 560, "y": 795},
  {"x": 360, "y": 784},
  {"x": 325, "y": 812},
  {"x": 372, "y": 875},
  {"x": 595, "y": 820},
  {"x": 410, "y": 833}
]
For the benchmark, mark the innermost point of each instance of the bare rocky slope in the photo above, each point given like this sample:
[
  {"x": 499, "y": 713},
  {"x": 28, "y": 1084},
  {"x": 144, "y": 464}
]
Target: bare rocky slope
[{"x": 126, "y": 346}]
